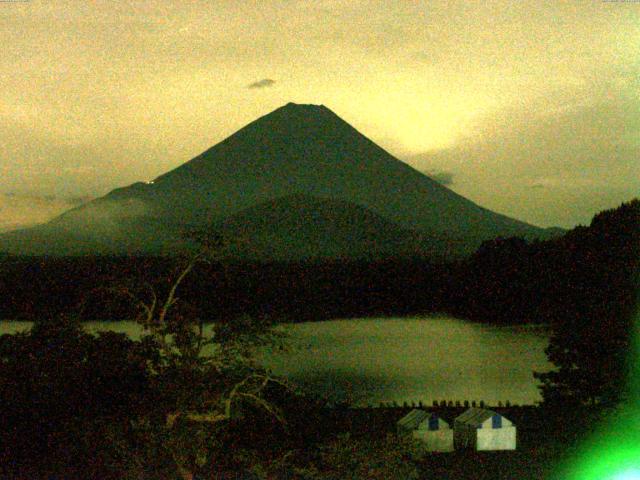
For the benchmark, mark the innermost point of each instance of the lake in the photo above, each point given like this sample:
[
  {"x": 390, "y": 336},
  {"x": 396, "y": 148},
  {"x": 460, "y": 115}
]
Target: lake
[{"x": 373, "y": 360}]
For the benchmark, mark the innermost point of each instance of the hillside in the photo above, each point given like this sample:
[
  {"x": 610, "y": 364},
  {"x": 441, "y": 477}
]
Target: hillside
[{"x": 299, "y": 227}]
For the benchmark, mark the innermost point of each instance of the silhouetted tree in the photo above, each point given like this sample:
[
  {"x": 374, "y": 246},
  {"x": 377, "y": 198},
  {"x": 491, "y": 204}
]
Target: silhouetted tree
[
  {"x": 56, "y": 381},
  {"x": 111, "y": 407},
  {"x": 201, "y": 376},
  {"x": 591, "y": 340}
]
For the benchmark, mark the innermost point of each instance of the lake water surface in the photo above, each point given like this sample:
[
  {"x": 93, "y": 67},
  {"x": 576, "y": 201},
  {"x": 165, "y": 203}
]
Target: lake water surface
[{"x": 368, "y": 361}]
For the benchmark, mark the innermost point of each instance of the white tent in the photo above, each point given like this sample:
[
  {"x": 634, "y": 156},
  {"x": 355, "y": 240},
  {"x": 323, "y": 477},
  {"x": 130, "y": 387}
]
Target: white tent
[
  {"x": 483, "y": 429},
  {"x": 434, "y": 433}
]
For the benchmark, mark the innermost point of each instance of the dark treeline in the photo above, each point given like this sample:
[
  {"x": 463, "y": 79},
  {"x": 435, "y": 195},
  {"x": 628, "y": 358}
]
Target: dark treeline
[
  {"x": 589, "y": 270},
  {"x": 507, "y": 280},
  {"x": 585, "y": 285},
  {"x": 35, "y": 288}
]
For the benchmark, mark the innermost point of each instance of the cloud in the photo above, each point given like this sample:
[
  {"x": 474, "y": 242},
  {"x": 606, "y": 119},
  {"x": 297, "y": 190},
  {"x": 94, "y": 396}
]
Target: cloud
[
  {"x": 564, "y": 181},
  {"x": 557, "y": 161},
  {"x": 79, "y": 200},
  {"x": 443, "y": 178},
  {"x": 21, "y": 210},
  {"x": 264, "y": 83}
]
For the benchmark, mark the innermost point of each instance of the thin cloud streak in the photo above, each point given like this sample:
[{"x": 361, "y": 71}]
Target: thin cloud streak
[
  {"x": 264, "y": 83},
  {"x": 22, "y": 210}
]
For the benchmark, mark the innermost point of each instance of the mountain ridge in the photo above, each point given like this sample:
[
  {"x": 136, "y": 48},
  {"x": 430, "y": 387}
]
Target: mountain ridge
[{"x": 295, "y": 149}]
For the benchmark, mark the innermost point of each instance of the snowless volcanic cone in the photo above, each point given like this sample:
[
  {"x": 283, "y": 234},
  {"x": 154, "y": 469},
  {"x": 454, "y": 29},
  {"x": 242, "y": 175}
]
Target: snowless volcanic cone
[{"x": 320, "y": 178}]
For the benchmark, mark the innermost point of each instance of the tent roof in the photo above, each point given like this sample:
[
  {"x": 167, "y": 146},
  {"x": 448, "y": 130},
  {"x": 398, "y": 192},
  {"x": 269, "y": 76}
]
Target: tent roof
[
  {"x": 412, "y": 419},
  {"x": 416, "y": 417},
  {"x": 475, "y": 416}
]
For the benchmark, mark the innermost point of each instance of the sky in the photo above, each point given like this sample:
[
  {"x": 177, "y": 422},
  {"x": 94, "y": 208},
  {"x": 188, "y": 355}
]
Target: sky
[{"x": 531, "y": 109}]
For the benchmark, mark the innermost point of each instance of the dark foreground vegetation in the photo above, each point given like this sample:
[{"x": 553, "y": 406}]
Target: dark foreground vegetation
[
  {"x": 181, "y": 404},
  {"x": 106, "y": 407},
  {"x": 79, "y": 406}
]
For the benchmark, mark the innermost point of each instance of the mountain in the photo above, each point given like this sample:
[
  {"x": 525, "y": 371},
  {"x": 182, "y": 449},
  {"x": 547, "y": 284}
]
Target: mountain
[
  {"x": 301, "y": 226},
  {"x": 286, "y": 168}
]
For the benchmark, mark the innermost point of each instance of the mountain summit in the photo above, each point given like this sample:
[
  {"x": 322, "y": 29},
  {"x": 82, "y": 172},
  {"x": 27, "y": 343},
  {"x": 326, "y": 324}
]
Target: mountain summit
[{"x": 302, "y": 150}]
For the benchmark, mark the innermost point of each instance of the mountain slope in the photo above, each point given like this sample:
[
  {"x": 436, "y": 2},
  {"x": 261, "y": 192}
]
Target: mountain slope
[
  {"x": 299, "y": 227},
  {"x": 296, "y": 149}
]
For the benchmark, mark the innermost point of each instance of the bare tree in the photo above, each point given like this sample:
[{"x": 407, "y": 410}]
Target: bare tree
[{"x": 203, "y": 371}]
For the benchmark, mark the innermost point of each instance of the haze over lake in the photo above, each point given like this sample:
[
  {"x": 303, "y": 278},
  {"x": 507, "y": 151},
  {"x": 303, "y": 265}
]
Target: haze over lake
[{"x": 368, "y": 361}]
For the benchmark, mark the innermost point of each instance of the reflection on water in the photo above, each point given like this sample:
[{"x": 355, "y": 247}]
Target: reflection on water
[{"x": 367, "y": 361}]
